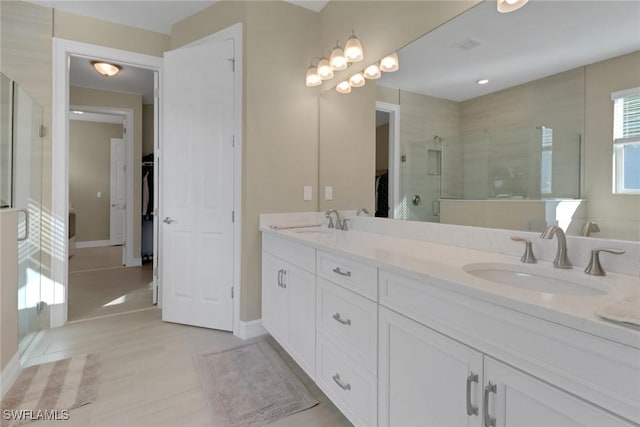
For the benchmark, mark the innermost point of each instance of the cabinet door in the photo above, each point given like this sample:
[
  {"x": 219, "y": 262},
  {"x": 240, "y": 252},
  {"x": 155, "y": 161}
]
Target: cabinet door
[
  {"x": 425, "y": 378},
  {"x": 522, "y": 400},
  {"x": 302, "y": 322},
  {"x": 275, "y": 304}
]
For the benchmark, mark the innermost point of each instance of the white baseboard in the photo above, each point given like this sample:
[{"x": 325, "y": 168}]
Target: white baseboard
[
  {"x": 93, "y": 244},
  {"x": 9, "y": 374},
  {"x": 250, "y": 329},
  {"x": 135, "y": 262}
]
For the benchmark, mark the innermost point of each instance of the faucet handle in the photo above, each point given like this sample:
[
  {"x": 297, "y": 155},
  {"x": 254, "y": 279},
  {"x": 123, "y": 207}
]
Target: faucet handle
[
  {"x": 345, "y": 226},
  {"x": 331, "y": 225},
  {"x": 528, "y": 256},
  {"x": 594, "y": 268}
]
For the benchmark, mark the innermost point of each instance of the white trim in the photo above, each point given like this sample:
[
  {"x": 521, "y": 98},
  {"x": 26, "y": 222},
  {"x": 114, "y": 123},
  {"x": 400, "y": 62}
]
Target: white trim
[
  {"x": 394, "y": 153},
  {"x": 250, "y": 329},
  {"x": 624, "y": 93},
  {"x": 9, "y": 374},
  {"x": 96, "y": 117},
  {"x": 62, "y": 50},
  {"x": 93, "y": 244}
]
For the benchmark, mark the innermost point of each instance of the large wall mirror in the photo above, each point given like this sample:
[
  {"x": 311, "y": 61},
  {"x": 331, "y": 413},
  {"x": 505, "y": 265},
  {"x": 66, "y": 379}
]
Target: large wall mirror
[{"x": 533, "y": 146}]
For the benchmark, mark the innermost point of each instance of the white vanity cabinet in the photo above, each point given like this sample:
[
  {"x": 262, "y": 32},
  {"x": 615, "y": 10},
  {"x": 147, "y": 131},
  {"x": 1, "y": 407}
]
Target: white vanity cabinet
[{"x": 288, "y": 298}]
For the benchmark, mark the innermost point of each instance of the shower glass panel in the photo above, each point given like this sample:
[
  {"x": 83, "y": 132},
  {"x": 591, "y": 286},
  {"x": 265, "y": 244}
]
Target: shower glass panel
[
  {"x": 27, "y": 198},
  {"x": 6, "y": 153}
]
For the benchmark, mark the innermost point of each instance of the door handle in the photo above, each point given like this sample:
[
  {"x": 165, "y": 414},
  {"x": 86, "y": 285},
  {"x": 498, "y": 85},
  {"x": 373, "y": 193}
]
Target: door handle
[
  {"x": 168, "y": 220},
  {"x": 26, "y": 225},
  {"x": 472, "y": 378},
  {"x": 118, "y": 205},
  {"x": 489, "y": 421}
]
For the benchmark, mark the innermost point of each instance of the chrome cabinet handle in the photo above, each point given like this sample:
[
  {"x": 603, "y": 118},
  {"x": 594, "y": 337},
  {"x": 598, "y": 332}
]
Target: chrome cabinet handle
[
  {"x": 472, "y": 378},
  {"x": 26, "y": 225},
  {"x": 340, "y": 320},
  {"x": 282, "y": 276},
  {"x": 342, "y": 273},
  {"x": 488, "y": 420},
  {"x": 341, "y": 384},
  {"x": 168, "y": 220}
]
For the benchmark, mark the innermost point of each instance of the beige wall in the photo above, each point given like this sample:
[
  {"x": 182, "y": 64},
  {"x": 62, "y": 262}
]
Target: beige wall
[
  {"x": 8, "y": 285},
  {"x": 89, "y": 173},
  {"x": 102, "y": 33},
  {"x": 618, "y": 215},
  {"x": 148, "y": 129}
]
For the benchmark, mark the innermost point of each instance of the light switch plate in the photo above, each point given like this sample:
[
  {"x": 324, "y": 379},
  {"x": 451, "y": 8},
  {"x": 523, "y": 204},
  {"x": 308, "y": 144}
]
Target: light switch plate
[
  {"x": 328, "y": 193},
  {"x": 308, "y": 192},
  {"x": 99, "y": 194}
]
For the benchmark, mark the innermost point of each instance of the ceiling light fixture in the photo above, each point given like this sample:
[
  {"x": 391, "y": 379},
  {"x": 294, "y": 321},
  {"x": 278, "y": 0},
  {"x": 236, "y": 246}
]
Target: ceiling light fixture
[
  {"x": 105, "y": 68},
  {"x": 337, "y": 60},
  {"x": 343, "y": 87},
  {"x": 506, "y": 6},
  {"x": 353, "y": 51},
  {"x": 482, "y": 81},
  {"x": 357, "y": 80},
  {"x": 372, "y": 72},
  {"x": 324, "y": 69},
  {"x": 313, "y": 79},
  {"x": 390, "y": 63}
]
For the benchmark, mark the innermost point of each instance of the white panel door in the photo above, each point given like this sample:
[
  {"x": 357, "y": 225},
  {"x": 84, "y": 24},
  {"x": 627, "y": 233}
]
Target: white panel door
[
  {"x": 197, "y": 180},
  {"x": 118, "y": 191}
]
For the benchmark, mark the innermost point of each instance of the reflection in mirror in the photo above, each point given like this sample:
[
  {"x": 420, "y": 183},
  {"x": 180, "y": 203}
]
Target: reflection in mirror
[
  {"x": 531, "y": 147},
  {"x": 6, "y": 152}
]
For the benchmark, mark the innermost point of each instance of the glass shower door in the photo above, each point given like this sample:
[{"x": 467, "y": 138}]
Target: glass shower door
[{"x": 27, "y": 198}]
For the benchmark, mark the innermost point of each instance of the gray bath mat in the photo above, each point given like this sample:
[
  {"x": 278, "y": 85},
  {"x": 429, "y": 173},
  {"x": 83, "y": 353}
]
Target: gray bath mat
[
  {"x": 50, "y": 390},
  {"x": 250, "y": 386}
]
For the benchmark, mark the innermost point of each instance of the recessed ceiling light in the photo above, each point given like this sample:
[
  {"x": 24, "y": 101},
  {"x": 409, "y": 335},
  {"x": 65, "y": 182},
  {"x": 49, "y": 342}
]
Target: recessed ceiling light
[{"x": 482, "y": 81}]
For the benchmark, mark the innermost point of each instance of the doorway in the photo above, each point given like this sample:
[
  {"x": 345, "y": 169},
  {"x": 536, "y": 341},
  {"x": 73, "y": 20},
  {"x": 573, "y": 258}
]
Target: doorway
[{"x": 387, "y": 160}]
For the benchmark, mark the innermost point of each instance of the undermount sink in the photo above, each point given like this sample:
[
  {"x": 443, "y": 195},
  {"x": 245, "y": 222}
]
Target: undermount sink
[{"x": 538, "y": 278}]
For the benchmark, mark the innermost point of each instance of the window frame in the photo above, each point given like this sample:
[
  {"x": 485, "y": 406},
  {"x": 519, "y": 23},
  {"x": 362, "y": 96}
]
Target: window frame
[{"x": 619, "y": 144}]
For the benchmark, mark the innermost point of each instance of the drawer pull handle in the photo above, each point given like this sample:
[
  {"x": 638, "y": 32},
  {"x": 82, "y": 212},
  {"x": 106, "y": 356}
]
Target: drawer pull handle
[
  {"x": 340, "y": 320},
  {"x": 342, "y": 385},
  {"x": 488, "y": 420},
  {"x": 281, "y": 278},
  {"x": 342, "y": 273},
  {"x": 472, "y": 378}
]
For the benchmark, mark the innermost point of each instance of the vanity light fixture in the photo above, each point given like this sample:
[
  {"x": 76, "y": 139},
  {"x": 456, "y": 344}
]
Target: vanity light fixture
[
  {"x": 506, "y": 6},
  {"x": 106, "y": 69},
  {"x": 353, "y": 49},
  {"x": 390, "y": 63},
  {"x": 357, "y": 80},
  {"x": 343, "y": 87},
  {"x": 372, "y": 72},
  {"x": 337, "y": 60},
  {"x": 313, "y": 79},
  {"x": 324, "y": 69},
  {"x": 482, "y": 81}
]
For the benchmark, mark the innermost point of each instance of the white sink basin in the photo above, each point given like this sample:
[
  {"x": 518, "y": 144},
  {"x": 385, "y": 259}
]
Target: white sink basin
[{"x": 538, "y": 278}]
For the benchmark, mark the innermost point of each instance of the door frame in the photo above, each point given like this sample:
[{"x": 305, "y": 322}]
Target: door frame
[
  {"x": 126, "y": 114},
  {"x": 394, "y": 153},
  {"x": 62, "y": 50}
]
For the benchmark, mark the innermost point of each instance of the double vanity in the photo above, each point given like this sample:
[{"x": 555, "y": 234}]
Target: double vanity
[{"x": 406, "y": 331}]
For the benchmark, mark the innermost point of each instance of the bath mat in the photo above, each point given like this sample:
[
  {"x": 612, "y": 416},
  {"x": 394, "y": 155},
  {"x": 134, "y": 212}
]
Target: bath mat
[
  {"x": 50, "y": 390},
  {"x": 250, "y": 386}
]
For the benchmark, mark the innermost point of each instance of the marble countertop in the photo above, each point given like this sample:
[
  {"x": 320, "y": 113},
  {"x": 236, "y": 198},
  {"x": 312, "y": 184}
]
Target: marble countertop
[{"x": 444, "y": 266}]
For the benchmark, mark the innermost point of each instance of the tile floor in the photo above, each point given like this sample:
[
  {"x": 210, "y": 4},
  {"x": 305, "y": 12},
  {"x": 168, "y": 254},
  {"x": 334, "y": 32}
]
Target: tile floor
[
  {"x": 99, "y": 285},
  {"x": 147, "y": 377}
]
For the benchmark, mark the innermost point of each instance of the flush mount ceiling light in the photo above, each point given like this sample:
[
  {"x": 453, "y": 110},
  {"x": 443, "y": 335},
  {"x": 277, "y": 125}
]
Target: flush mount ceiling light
[
  {"x": 313, "y": 79},
  {"x": 482, "y": 81},
  {"x": 372, "y": 72},
  {"x": 506, "y": 6},
  {"x": 353, "y": 49},
  {"x": 324, "y": 69},
  {"x": 105, "y": 68},
  {"x": 390, "y": 63},
  {"x": 337, "y": 60},
  {"x": 343, "y": 87},
  {"x": 357, "y": 80}
]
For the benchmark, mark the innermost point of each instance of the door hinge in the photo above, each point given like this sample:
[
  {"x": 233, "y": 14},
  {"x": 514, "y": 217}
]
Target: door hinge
[
  {"x": 41, "y": 131},
  {"x": 156, "y": 92},
  {"x": 124, "y": 131},
  {"x": 233, "y": 216},
  {"x": 155, "y": 272},
  {"x": 233, "y": 64},
  {"x": 232, "y": 296},
  {"x": 233, "y": 141}
]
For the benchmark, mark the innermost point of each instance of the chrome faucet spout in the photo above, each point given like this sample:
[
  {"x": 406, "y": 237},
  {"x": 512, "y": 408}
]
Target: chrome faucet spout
[
  {"x": 338, "y": 223},
  {"x": 562, "y": 259}
]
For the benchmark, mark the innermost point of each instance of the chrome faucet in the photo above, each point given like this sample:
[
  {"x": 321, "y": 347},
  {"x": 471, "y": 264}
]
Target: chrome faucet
[
  {"x": 338, "y": 223},
  {"x": 588, "y": 228},
  {"x": 562, "y": 260},
  {"x": 362, "y": 211}
]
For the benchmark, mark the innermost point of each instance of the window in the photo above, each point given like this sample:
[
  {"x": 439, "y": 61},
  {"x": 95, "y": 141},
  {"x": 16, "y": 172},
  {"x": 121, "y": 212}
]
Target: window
[{"x": 626, "y": 141}]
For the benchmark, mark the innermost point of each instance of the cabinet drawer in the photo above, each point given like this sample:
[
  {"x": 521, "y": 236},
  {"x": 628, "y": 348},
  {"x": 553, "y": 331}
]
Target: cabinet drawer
[
  {"x": 349, "y": 320},
  {"x": 349, "y": 386},
  {"x": 293, "y": 252},
  {"x": 356, "y": 276}
]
